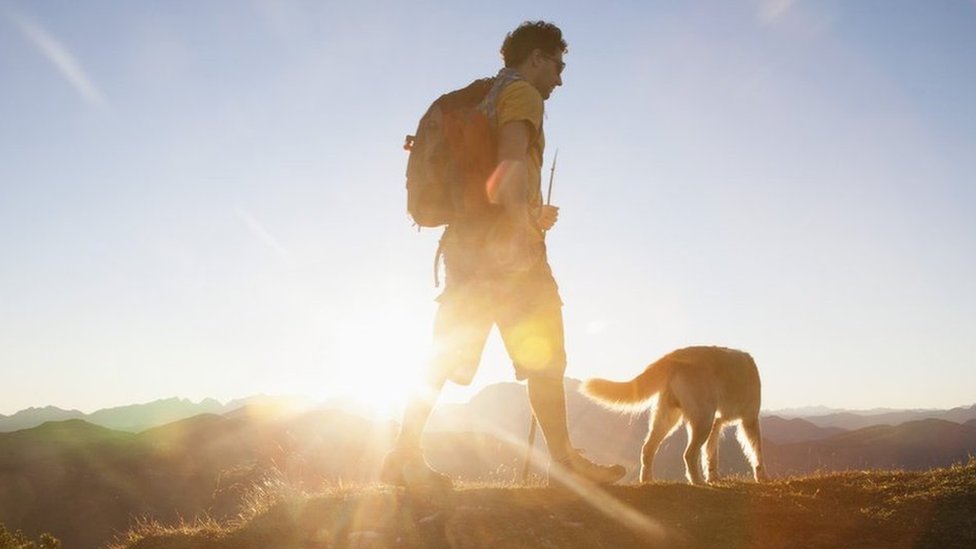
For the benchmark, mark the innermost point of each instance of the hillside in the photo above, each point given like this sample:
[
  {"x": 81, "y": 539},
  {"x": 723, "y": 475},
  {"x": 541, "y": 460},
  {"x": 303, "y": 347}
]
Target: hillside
[
  {"x": 916, "y": 445},
  {"x": 864, "y": 509},
  {"x": 82, "y": 482}
]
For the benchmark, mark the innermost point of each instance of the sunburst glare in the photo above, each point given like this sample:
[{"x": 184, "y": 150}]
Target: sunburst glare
[{"x": 374, "y": 360}]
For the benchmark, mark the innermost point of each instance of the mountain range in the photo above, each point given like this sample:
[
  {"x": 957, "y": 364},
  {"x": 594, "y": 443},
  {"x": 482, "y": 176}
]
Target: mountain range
[
  {"x": 138, "y": 417},
  {"x": 84, "y": 481}
]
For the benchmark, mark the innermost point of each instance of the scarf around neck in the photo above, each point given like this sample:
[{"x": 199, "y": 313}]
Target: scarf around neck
[{"x": 504, "y": 77}]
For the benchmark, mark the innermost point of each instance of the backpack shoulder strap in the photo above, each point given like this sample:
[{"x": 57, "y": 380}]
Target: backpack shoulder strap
[{"x": 488, "y": 105}]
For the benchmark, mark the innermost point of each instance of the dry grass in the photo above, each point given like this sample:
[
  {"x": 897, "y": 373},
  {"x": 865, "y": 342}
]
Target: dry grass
[
  {"x": 147, "y": 532},
  {"x": 863, "y": 508},
  {"x": 17, "y": 540}
]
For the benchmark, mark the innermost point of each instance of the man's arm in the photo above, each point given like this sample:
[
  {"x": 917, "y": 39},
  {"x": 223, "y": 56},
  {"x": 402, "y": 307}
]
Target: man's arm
[
  {"x": 509, "y": 184},
  {"x": 513, "y": 242}
]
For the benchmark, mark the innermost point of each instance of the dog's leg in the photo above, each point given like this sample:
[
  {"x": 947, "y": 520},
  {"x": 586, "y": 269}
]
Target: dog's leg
[
  {"x": 662, "y": 421},
  {"x": 750, "y": 438},
  {"x": 698, "y": 430},
  {"x": 711, "y": 450}
]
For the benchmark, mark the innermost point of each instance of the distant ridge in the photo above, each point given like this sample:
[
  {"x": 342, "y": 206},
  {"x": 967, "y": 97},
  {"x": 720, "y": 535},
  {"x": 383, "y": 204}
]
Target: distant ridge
[
  {"x": 858, "y": 420},
  {"x": 804, "y": 411},
  {"x": 32, "y": 417},
  {"x": 506, "y": 399},
  {"x": 134, "y": 418},
  {"x": 138, "y": 417}
]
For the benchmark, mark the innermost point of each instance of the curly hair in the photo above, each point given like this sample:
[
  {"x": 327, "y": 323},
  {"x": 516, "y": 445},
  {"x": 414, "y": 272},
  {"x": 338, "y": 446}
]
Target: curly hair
[{"x": 528, "y": 37}]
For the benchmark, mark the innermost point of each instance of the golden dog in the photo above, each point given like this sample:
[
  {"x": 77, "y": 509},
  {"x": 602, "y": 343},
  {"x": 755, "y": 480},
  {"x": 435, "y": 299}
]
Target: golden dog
[{"x": 708, "y": 387}]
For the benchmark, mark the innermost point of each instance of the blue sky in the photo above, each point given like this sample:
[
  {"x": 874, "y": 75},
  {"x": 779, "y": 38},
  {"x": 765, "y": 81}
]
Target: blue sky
[{"x": 205, "y": 199}]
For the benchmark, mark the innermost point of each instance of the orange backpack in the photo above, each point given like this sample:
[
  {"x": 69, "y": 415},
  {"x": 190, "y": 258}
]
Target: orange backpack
[{"x": 452, "y": 154}]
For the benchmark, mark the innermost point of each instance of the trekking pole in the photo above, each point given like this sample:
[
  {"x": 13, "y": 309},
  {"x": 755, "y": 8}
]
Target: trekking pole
[
  {"x": 528, "y": 450},
  {"x": 552, "y": 174}
]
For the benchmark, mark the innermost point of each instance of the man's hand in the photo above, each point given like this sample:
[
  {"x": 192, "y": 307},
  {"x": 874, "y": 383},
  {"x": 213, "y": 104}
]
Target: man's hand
[{"x": 546, "y": 216}]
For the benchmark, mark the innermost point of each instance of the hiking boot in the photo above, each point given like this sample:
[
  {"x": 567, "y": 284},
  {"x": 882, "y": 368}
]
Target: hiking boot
[
  {"x": 576, "y": 467},
  {"x": 408, "y": 468}
]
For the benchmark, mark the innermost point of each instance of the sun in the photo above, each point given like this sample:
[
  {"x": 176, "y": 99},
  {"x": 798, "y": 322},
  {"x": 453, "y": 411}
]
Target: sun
[{"x": 377, "y": 362}]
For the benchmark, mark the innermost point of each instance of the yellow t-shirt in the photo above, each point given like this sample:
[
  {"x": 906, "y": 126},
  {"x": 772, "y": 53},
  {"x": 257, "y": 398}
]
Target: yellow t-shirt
[{"x": 521, "y": 101}]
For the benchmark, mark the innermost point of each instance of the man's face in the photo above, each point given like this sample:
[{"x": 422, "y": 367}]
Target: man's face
[{"x": 550, "y": 73}]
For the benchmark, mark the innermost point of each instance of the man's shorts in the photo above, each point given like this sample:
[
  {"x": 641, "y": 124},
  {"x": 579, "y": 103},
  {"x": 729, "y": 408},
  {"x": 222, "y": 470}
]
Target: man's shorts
[{"x": 525, "y": 307}]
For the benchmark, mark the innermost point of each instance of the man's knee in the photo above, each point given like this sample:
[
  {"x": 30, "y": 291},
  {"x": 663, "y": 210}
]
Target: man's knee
[
  {"x": 554, "y": 370},
  {"x": 536, "y": 346}
]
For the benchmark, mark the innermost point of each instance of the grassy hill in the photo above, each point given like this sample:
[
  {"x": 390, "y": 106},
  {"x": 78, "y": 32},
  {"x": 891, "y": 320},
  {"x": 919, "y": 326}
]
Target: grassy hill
[
  {"x": 84, "y": 483},
  {"x": 935, "y": 508}
]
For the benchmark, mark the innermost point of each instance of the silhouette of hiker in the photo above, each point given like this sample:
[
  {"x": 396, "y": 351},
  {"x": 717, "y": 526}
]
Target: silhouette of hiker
[{"x": 497, "y": 273}]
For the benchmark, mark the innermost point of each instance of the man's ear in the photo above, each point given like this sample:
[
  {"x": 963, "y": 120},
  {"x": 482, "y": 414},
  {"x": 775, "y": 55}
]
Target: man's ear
[{"x": 536, "y": 57}]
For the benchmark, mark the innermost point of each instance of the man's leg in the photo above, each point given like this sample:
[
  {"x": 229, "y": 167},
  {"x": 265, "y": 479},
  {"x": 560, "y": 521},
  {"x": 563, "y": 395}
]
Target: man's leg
[
  {"x": 548, "y": 399},
  {"x": 418, "y": 410},
  {"x": 533, "y": 337},
  {"x": 566, "y": 464},
  {"x": 534, "y": 340},
  {"x": 405, "y": 465},
  {"x": 461, "y": 328}
]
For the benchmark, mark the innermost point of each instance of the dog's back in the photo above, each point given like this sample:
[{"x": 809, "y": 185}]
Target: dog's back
[
  {"x": 714, "y": 378},
  {"x": 725, "y": 378}
]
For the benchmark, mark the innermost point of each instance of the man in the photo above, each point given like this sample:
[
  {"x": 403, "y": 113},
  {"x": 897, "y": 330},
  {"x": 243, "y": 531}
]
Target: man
[{"x": 497, "y": 273}]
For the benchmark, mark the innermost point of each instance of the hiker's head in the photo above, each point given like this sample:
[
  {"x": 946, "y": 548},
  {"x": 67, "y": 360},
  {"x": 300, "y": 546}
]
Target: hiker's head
[{"x": 536, "y": 49}]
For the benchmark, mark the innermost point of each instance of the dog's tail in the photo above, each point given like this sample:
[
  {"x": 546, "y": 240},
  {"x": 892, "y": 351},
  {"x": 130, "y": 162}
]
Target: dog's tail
[{"x": 631, "y": 395}]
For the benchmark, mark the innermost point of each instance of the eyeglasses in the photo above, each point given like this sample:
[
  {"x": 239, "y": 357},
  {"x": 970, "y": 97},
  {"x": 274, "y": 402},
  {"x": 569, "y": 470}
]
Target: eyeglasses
[{"x": 560, "y": 65}]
